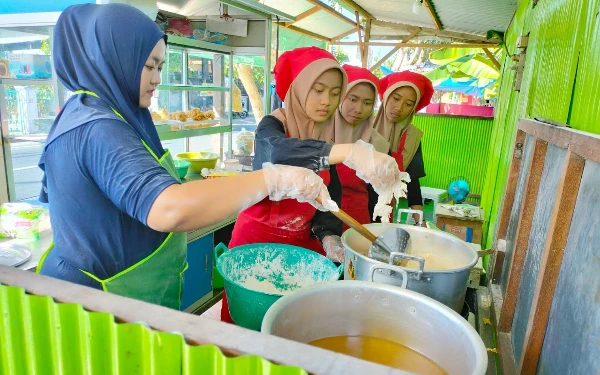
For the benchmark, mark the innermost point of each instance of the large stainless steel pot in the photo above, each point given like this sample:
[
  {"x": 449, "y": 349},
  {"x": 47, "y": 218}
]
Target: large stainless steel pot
[
  {"x": 356, "y": 308},
  {"x": 442, "y": 273}
]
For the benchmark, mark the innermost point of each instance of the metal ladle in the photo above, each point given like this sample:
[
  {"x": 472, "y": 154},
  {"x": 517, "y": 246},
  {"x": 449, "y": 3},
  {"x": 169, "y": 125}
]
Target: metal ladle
[{"x": 391, "y": 241}]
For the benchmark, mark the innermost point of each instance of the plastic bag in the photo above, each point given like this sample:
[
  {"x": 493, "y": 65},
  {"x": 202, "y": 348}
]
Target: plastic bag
[
  {"x": 245, "y": 142},
  {"x": 207, "y": 36},
  {"x": 20, "y": 220},
  {"x": 182, "y": 26}
]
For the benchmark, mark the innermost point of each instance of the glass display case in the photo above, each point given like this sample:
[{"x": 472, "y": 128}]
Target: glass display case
[
  {"x": 196, "y": 84},
  {"x": 30, "y": 98},
  {"x": 191, "y": 107}
]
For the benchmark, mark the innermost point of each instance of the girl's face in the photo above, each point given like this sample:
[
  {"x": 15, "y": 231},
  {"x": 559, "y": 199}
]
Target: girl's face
[
  {"x": 324, "y": 95},
  {"x": 358, "y": 103},
  {"x": 400, "y": 103},
  {"x": 151, "y": 73}
]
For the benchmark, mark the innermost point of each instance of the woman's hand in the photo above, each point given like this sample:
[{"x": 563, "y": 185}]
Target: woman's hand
[
  {"x": 334, "y": 249},
  {"x": 378, "y": 169},
  {"x": 297, "y": 183}
]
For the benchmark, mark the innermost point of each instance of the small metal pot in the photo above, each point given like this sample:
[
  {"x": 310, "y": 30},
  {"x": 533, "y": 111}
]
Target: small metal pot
[
  {"x": 356, "y": 308},
  {"x": 442, "y": 275}
]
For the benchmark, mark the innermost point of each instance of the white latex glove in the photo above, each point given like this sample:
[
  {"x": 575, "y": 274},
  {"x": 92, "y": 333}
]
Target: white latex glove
[
  {"x": 375, "y": 168},
  {"x": 334, "y": 249},
  {"x": 301, "y": 184}
]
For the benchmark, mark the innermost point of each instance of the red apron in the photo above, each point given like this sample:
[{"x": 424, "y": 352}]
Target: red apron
[
  {"x": 285, "y": 222},
  {"x": 355, "y": 197},
  {"x": 400, "y": 160}
]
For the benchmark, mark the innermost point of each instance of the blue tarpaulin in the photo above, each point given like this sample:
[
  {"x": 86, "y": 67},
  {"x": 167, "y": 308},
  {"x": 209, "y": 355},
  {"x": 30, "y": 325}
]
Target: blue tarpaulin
[{"x": 466, "y": 87}]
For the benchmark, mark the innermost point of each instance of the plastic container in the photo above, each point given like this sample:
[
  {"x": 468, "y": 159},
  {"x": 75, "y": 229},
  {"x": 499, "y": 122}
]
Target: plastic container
[
  {"x": 232, "y": 165},
  {"x": 20, "y": 220},
  {"x": 182, "y": 167},
  {"x": 199, "y": 160},
  {"x": 30, "y": 66},
  {"x": 284, "y": 267},
  {"x": 245, "y": 142}
]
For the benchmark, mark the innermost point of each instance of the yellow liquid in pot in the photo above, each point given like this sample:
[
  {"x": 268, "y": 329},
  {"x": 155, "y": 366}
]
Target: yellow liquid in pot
[{"x": 381, "y": 351}]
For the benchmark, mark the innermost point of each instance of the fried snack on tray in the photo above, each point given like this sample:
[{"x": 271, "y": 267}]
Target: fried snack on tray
[
  {"x": 196, "y": 126},
  {"x": 195, "y": 114},
  {"x": 164, "y": 115},
  {"x": 179, "y": 116},
  {"x": 209, "y": 115},
  {"x": 160, "y": 115}
]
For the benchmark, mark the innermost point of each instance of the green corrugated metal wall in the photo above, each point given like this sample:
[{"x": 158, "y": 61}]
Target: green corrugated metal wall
[
  {"x": 585, "y": 112},
  {"x": 455, "y": 146},
  {"x": 39, "y": 336},
  {"x": 559, "y": 31}
]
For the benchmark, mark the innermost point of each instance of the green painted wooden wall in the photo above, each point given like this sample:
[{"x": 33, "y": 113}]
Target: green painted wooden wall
[
  {"x": 560, "y": 82},
  {"x": 455, "y": 146}
]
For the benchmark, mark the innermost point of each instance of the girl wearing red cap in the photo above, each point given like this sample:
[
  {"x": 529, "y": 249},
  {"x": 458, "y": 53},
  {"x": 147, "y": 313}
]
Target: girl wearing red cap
[
  {"x": 311, "y": 82},
  {"x": 353, "y": 122},
  {"x": 402, "y": 95}
]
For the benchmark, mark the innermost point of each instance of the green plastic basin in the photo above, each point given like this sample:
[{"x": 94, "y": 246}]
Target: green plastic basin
[{"x": 275, "y": 269}]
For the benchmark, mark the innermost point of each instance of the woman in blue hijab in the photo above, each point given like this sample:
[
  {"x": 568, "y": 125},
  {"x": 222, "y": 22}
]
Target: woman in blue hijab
[{"x": 119, "y": 213}]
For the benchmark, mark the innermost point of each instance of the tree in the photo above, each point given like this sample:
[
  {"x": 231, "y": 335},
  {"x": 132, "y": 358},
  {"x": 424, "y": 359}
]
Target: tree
[
  {"x": 246, "y": 76},
  {"x": 340, "y": 55}
]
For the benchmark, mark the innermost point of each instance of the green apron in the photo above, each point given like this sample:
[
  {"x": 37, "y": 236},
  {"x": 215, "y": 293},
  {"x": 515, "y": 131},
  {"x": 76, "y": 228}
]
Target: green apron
[{"x": 158, "y": 278}]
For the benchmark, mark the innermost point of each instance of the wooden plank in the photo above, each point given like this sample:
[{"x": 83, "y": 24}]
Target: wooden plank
[
  {"x": 416, "y": 45},
  {"x": 341, "y": 36},
  {"x": 432, "y": 31},
  {"x": 522, "y": 236},
  {"x": 497, "y": 301},
  {"x": 355, "y": 6},
  {"x": 433, "y": 14},
  {"x": 394, "y": 50},
  {"x": 538, "y": 233},
  {"x": 511, "y": 233},
  {"x": 361, "y": 45},
  {"x": 231, "y": 339},
  {"x": 492, "y": 57},
  {"x": 503, "y": 340},
  {"x": 365, "y": 56},
  {"x": 507, "y": 359},
  {"x": 580, "y": 143},
  {"x": 558, "y": 230},
  {"x": 571, "y": 341},
  {"x": 485, "y": 328},
  {"x": 331, "y": 11},
  {"x": 496, "y": 261},
  {"x": 305, "y": 32},
  {"x": 513, "y": 176},
  {"x": 304, "y": 15}
]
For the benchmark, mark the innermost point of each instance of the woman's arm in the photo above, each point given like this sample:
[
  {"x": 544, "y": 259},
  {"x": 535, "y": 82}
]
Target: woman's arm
[
  {"x": 198, "y": 204},
  {"x": 273, "y": 146},
  {"x": 127, "y": 174}
]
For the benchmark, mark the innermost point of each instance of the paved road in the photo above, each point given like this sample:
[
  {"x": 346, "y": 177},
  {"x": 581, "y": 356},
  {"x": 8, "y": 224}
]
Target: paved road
[{"x": 26, "y": 155}]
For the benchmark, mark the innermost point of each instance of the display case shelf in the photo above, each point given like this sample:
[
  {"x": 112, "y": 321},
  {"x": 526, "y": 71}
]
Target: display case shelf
[
  {"x": 186, "y": 133},
  {"x": 25, "y": 81},
  {"x": 192, "y": 88},
  {"x": 193, "y": 43}
]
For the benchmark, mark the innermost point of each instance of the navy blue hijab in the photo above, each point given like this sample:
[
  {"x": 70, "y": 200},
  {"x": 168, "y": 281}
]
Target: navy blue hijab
[{"x": 103, "y": 48}]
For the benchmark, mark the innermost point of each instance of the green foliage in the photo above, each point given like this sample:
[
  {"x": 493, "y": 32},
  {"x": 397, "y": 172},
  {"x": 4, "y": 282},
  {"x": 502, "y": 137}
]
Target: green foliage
[
  {"x": 340, "y": 55},
  {"x": 45, "y": 46},
  {"x": 493, "y": 34}
]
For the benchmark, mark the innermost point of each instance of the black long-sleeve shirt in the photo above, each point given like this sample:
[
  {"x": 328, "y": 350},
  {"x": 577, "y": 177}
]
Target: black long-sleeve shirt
[
  {"x": 416, "y": 170},
  {"x": 273, "y": 146}
]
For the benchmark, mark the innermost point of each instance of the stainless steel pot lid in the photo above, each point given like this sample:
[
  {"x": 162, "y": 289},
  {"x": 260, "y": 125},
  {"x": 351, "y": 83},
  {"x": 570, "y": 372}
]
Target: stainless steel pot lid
[{"x": 13, "y": 255}]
